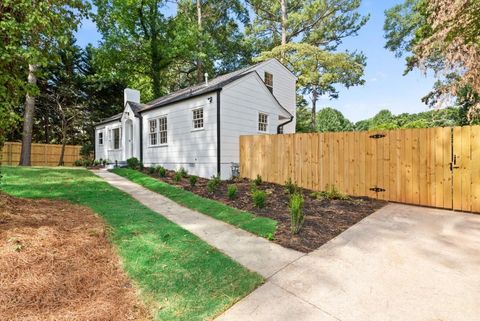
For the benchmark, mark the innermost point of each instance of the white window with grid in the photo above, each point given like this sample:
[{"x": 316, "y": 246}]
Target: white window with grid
[
  {"x": 100, "y": 138},
  {"x": 262, "y": 122},
  {"x": 114, "y": 137},
  {"x": 197, "y": 119},
  {"x": 158, "y": 131}
]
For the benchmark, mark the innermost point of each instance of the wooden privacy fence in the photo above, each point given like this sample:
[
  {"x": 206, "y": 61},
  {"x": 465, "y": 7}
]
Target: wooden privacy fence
[
  {"x": 42, "y": 154},
  {"x": 437, "y": 167}
]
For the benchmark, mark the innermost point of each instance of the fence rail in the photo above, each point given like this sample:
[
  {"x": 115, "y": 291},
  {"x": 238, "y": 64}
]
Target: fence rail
[
  {"x": 437, "y": 167},
  {"x": 41, "y": 154}
]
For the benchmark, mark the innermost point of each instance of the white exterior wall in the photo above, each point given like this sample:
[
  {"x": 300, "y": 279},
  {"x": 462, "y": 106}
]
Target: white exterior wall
[
  {"x": 241, "y": 102},
  {"x": 130, "y": 140},
  {"x": 284, "y": 88},
  {"x": 106, "y": 151},
  {"x": 194, "y": 150}
]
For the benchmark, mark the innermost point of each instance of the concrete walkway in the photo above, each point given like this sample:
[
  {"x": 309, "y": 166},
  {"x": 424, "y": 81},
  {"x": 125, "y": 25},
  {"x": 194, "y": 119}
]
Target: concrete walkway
[
  {"x": 402, "y": 263},
  {"x": 253, "y": 252}
]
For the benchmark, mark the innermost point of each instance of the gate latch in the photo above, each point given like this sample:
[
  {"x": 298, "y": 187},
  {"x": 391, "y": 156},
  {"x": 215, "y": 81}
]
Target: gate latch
[
  {"x": 377, "y": 136},
  {"x": 377, "y": 189}
]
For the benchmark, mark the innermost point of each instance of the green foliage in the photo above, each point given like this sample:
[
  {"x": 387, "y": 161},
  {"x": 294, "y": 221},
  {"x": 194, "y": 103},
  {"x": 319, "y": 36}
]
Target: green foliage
[
  {"x": 193, "y": 180},
  {"x": 96, "y": 162},
  {"x": 133, "y": 163},
  {"x": 183, "y": 172},
  {"x": 291, "y": 188},
  {"x": 332, "y": 193},
  {"x": 213, "y": 184},
  {"x": 304, "y": 116},
  {"x": 332, "y": 120},
  {"x": 78, "y": 162},
  {"x": 258, "y": 180},
  {"x": 151, "y": 170},
  {"x": 177, "y": 177},
  {"x": 162, "y": 172},
  {"x": 86, "y": 162},
  {"x": 260, "y": 226},
  {"x": 297, "y": 215},
  {"x": 259, "y": 198},
  {"x": 232, "y": 191},
  {"x": 188, "y": 287}
]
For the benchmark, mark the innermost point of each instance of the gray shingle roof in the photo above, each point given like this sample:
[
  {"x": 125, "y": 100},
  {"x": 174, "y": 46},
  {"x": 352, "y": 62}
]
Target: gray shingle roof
[{"x": 109, "y": 119}]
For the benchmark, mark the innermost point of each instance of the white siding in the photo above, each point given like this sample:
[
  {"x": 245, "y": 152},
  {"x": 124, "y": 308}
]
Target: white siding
[
  {"x": 106, "y": 151},
  {"x": 195, "y": 150},
  {"x": 240, "y": 105},
  {"x": 128, "y": 115},
  {"x": 284, "y": 88}
]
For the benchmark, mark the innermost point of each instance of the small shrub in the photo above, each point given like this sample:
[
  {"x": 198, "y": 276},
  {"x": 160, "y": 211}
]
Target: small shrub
[
  {"x": 105, "y": 162},
  {"x": 162, "y": 172},
  {"x": 332, "y": 193},
  {"x": 183, "y": 172},
  {"x": 151, "y": 170},
  {"x": 253, "y": 187},
  {"x": 86, "y": 162},
  {"x": 232, "y": 191},
  {"x": 291, "y": 188},
  {"x": 296, "y": 213},
  {"x": 78, "y": 162},
  {"x": 96, "y": 162},
  {"x": 259, "y": 198},
  {"x": 133, "y": 163},
  {"x": 258, "y": 180},
  {"x": 140, "y": 166},
  {"x": 193, "y": 180},
  {"x": 177, "y": 177},
  {"x": 213, "y": 184},
  {"x": 270, "y": 236}
]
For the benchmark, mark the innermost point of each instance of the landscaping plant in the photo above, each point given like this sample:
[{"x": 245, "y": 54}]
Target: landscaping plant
[
  {"x": 259, "y": 198},
  {"x": 193, "y": 180},
  {"x": 178, "y": 176},
  {"x": 96, "y": 162},
  {"x": 183, "y": 172},
  {"x": 213, "y": 184},
  {"x": 78, "y": 162},
  {"x": 162, "y": 172},
  {"x": 296, "y": 212},
  {"x": 290, "y": 187},
  {"x": 232, "y": 191},
  {"x": 151, "y": 170},
  {"x": 332, "y": 193},
  {"x": 258, "y": 180},
  {"x": 133, "y": 163}
]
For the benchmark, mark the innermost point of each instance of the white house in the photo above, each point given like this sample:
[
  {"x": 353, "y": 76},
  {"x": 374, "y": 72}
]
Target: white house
[{"x": 198, "y": 128}]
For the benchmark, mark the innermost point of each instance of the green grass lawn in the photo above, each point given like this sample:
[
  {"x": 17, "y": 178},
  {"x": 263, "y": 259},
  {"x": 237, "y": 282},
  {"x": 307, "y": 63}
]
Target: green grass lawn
[
  {"x": 180, "y": 277},
  {"x": 261, "y": 226}
]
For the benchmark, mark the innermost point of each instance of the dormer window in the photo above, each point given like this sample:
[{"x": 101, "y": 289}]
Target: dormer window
[{"x": 269, "y": 81}]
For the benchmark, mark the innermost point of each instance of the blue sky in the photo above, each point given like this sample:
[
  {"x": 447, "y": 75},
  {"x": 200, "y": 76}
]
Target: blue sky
[{"x": 385, "y": 86}]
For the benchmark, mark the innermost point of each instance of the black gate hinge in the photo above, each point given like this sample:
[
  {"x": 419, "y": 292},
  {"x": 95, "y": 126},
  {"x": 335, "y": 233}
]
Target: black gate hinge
[
  {"x": 377, "y": 136},
  {"x": 377, "y": 189}
]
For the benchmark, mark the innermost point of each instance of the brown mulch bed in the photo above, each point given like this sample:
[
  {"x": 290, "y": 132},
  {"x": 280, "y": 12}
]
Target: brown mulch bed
[
  {"x": 56, "y": 263},
  {"x": 324, "y": 219}
]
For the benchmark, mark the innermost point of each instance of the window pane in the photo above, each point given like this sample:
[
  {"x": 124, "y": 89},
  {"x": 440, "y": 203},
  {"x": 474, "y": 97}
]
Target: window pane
[
  {"x": 163, "y": 129},
  {"x": 116, "y": 138},
  {"x": 153, "y": 126},
  {"x": 262, "y": 122},
  {"x": 269, "y": 81},
  {"x": 198, "y": 118}
]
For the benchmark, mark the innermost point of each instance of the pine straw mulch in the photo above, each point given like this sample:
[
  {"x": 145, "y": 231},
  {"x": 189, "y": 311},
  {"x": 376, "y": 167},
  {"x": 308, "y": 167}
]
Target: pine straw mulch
[{"x": 56, "y": 263}]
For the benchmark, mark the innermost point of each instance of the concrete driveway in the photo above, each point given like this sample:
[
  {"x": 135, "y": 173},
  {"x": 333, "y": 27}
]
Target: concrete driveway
[{"x": 402, "y": 263}]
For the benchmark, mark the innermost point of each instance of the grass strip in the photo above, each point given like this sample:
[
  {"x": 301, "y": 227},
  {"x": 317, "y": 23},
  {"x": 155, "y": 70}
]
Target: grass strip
[
  {"x": 180, "y": 277},
  {"x": 261, "y": 226}
]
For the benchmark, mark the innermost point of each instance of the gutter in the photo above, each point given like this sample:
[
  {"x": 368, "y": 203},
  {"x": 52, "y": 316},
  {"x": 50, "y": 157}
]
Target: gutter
[
  {"x": 141, "y": 137},
  {"x": 283, "y": 124},
  {"x": 218, "y": 133}
]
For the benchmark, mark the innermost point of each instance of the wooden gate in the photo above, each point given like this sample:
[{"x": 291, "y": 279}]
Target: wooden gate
[{"x": 438, "y": 167}]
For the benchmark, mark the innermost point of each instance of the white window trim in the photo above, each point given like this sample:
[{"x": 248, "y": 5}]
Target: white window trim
[
  {"x": 258, "y": 122},
  {"x": 98, "y": 137},
  {"x": 111, "y": 142},
  {"x": 265, "y": 80},
  {"x": 193, "y": 129},
  {"x": 156, "y": 118}
]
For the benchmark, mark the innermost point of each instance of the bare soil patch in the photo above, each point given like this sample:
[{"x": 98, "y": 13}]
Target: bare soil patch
[
  {"x": 56, "y": 263},
  {"x": 324, "y": 219}
]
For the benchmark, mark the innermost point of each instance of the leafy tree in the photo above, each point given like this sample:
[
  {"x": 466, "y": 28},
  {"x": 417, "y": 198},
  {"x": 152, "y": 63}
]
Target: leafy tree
[
  {"x": 32, "y": 29},
  {"x": 332, "y": 120},
  {"x": 303, "y": 119},
  {"x": 304, "y": 34}
]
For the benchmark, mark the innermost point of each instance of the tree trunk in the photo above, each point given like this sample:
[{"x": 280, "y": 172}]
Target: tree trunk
[
  {"x": 200, "y": 69},
  {"x": 314, "y": 110},
  {"x": 61, "y": 162},
  {"x": 283, "y": 5},
  {"x": 28, "y": 117}
]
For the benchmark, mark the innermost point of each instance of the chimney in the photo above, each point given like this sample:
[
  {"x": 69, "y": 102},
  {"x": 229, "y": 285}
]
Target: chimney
[
  {"x": 131, "y": 95},
  {"x": 206, "y": 79}
]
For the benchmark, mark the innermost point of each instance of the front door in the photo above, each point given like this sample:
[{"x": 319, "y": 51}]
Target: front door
[{"x": 128, "y": 139}]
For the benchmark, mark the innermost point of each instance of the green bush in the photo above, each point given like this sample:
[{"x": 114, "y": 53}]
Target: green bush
[
  {"x": 78, "y": 162},
  {"x": 259, "y": 198},
  {"x": 177, "y": 177},
  {"x": 86, "y": 163},
  {"x": 183, "y": 172},
  {"x": 133, "y": 163},
  {"x": 232, "y": 191},
  {"x": 193, "y": 180},
  {"x": 291, "y": 188},
  {"x": 332, "y": 193},
  {"x": 96, "y": 162},
  {"x": 258, "y": 181},
  {"x": 296, "y": 213},
  {"x": 213, "y": 184},
  {"x": 105, "y": 162},
  {"x": 151, "y": 170},
  {"x": 162, "y": 172}
]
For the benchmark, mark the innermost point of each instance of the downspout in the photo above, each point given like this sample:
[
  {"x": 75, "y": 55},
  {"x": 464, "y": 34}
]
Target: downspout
[
  {"x": 283, "y": 124},
  {"x": 140, "y": 117},
  {"x": 218, "y": 134}
]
